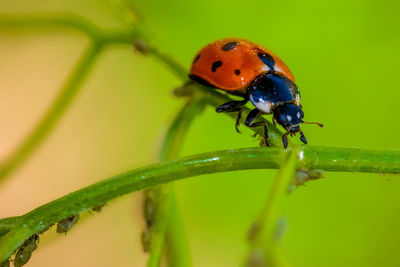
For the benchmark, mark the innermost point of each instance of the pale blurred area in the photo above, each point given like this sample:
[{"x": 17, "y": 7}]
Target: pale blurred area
[
  {"x": 100, "y": 135},
  {"x": 117, "y": 121}
]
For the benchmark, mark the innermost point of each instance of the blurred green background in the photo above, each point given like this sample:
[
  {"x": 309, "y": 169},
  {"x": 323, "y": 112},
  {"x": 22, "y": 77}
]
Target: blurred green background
[{"x": 344, "y": 55}]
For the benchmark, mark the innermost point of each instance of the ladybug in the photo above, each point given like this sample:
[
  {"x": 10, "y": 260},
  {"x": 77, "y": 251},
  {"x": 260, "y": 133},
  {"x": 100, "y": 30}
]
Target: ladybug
[{"x": 245, "y": 69}]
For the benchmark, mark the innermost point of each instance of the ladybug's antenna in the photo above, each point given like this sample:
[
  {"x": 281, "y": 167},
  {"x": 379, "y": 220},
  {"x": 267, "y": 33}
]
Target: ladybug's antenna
[{"x": 317, "y": 123}]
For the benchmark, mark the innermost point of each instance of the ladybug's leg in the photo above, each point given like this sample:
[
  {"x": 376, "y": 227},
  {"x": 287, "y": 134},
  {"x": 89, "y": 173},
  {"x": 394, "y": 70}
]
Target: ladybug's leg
[
  {"x": 303, "y": 138},
  {"x": 285, "y": 140},
  {"x": 239, "y": 117},
  {"x": 231, "y": 106},
  {"x": 249, "y": 123}
]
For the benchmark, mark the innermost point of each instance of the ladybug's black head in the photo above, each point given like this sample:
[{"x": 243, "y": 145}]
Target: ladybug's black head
[{"x": 290, "y": 116}]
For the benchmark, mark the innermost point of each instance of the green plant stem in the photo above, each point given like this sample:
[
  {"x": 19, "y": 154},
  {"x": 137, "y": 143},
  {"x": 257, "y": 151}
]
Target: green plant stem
[
  {"x": 263, "y": 233},
  {"x": 57, "y": 109},
  {"x": 7, "y": 223},
  {"x": 178, "y": 249},
  {"x": 169, "y": 61},
  {"x": 167, "y": 213},
  {"x": 325, "y": 158},
  {"x": 162, "y": 206},
  {"x": 67, "y": 21},
  {"x": 178, "y": 130},
  {"x": 50, "y": 21}
]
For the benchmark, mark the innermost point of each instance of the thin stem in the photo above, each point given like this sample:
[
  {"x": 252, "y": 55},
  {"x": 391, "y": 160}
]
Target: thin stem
[
  {"x": 68, "y": 21},
  {"x": 166, "y": 201},
  {"x": 51, "y": 21},
  {"x": 170, "y": 62},
  {"x": 7, "y": 223},
  {"x": 326, "y": 158},
  {"x": 179, "y": 127},
  {"x": 177, "y": 249},
  {"x": 262, "y": 236},
  {"x": 57, "y": 109},
  {"x": 162, "y": 206}
]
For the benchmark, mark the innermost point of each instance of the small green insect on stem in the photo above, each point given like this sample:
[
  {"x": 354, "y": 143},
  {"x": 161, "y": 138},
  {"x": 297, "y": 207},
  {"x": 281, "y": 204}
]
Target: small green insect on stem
[{"x": 24, "y": 252}]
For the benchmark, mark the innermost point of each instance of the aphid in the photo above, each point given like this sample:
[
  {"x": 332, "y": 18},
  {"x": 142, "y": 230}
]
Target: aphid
[
  {"x": 149, "y": 211},
  {"x": 24, "y": 252},
  {"x": 150, "y": 198},
  {"x": 98, "y": 208},
  {"x": 146, "y": 239},
  {"x": 245, "y": 69},
  {"x": 66, "y": 224}
]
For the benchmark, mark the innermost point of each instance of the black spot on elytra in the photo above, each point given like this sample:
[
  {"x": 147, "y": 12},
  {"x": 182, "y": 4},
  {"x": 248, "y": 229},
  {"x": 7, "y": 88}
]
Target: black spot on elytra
[
  {"x": 237, "y": 72},
  {"x": 216, "y": 65},
  {"x": 195, "y": 59},
  {"x": 229, "y": 46},
  {"x": 267, "y": 59}
]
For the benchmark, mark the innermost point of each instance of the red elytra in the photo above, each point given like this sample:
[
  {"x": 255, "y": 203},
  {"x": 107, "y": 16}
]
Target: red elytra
[{"x": 231, "y": 64}]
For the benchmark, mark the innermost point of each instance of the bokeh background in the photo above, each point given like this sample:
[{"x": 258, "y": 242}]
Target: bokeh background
[{"x": 344, "y": 55}]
